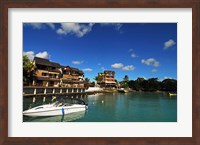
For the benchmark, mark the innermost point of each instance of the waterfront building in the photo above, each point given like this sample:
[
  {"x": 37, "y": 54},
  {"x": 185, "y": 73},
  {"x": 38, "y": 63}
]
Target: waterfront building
[
  {"x": 72, "y": 77},
  {"x": 49, "y": 73},
  {"x": 106, "y": 79}
]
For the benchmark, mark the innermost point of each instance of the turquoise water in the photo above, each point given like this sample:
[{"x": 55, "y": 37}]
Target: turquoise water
[{"x": 117, "y": 107}]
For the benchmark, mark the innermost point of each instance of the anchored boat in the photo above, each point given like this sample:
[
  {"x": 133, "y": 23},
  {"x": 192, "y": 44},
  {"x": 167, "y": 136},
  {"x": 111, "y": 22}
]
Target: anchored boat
[
  {"x": 172, "y": 94},
  {"x": 57, "y": 108},
  {"x": 122, "y": 90}
]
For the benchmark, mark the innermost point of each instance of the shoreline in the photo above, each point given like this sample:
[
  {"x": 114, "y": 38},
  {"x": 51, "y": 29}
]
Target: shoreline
[{"x": 115, "y": 90}]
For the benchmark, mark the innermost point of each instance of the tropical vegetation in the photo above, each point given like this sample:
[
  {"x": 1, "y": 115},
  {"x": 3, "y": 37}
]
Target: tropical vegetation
[
  {"x": 28, "y": 70},
  {"x": 153, "y": 84}
]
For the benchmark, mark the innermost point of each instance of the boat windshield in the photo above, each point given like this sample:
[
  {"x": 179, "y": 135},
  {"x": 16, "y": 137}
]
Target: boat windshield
[
  {"x": 76, "y": 101},
  {"x": 56, "y": 104},
  {"x": 68, "y": 102},
  {"x": 39, "y": 108}
]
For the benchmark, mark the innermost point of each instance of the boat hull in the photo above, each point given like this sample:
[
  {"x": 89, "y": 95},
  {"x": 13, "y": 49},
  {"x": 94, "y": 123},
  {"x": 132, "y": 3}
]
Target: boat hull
[
  {"x": 93, "y": 89},
  {"x": 123, "y": 91},
  {"x": 55, "y": 111}
]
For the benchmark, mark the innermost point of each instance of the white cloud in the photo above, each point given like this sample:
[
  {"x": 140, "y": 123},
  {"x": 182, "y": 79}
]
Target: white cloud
[
  {"x": 40, "y": 25},
  {"x": 117, "y": 26},
  {"x": 35, "y": 25},
  {"x": 117, "y": 65},
  {"x": 169, "y": 43},
  {"x": 99, "y": 63},
  {"x": 51, "y": 25},
  {"x": 134, "y": 55},
  {"x": 128, "y": 68},
  {"x": 130, "y": 50},
  {"x": 31, "y": 55},
  {"x": 154, "y": 70},
  {"x": 87, "y": 69},
  {"x": 150, "y": 61},
  {"x": 75, "y": 29},
  {"x": 77, "y": 62},
  {"x": 103, "y": 68},
  {"x": 167, "y": 77},
  {"x": 42, "y": 55}
]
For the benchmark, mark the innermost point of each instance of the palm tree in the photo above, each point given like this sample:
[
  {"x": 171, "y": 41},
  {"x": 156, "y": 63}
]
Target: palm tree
[
  {"x": 126, "y": 79},
  {"x": 87, "y": 80},
  {"x": 124, "y": 83},
  {"x": 98, "y": 78},
  {"x": 28, "y": 70},
  {"x": 87, "y": 83}
]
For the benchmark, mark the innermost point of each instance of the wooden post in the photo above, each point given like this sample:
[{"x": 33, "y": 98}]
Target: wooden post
[
  {"x": 33, "y": 83},
  {"x": 44, "y": 98},
  {"x": 34, "y": 99},
  {"x": 35, "y": 91}
]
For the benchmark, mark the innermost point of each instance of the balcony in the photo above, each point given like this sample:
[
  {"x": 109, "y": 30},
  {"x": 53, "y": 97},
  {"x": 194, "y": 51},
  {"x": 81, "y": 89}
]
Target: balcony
[
  {"x": 45, "y": 72},
  {"x": 69, "y": 77},
  {"x": 46, "y": 75},
  {"x": 109, "y": 79}
]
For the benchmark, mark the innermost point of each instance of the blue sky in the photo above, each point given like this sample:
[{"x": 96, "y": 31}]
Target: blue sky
[{"x": 134, "y": 49}]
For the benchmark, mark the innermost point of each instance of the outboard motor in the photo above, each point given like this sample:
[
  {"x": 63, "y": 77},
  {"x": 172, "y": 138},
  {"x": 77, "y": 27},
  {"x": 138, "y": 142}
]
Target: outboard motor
[{"x": 86, "y": 106}]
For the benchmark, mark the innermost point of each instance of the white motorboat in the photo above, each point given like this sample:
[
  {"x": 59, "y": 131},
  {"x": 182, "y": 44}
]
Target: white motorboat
[
  {"x": 57, "y": 108},
  {"x": 122, "y": 90},
  {"x": 93, "y": 89}
]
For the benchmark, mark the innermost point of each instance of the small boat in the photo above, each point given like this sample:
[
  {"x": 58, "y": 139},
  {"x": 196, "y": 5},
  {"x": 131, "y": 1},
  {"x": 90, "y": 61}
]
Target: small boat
[
  {"x": 57, "y": 108},
  {"x": 172, "y": 94},
  {"x": 122, "y": 90},
  {"x": 94, "y": 89}
]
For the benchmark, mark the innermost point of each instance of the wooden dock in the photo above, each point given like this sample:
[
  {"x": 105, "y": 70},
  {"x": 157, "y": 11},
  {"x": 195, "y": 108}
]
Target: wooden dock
[{"x": 50, "y": 91}]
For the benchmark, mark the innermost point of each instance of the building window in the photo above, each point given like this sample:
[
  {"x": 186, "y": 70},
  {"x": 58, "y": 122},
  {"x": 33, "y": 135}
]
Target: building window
[{"x": 44, "y": 74}]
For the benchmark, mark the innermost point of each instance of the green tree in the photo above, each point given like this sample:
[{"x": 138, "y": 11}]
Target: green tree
[
  {"x": 87, "y": 83},
  {"x": 126, "y": 79},
  {"x": 144, "y": 85},
  {"x": 98, "y": 78},
  {"x": 131, "y": 84},
  {"x": 92, "y": 84},
  {"x": 153, "y": 84},
  {"x": 124, "y": 83},
  {"x": 138, "y": 83},
  {"x": 28, "y": 70},
  {"x": 87, "y": 80},
  {"x": 169, "y": 85}
]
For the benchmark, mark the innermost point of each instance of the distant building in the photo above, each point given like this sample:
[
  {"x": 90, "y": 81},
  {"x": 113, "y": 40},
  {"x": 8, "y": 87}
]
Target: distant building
[
  {"x": 106, "y": 79},
  {"x": 49, "y": 73},
  {"x": 72, "y": 77}
]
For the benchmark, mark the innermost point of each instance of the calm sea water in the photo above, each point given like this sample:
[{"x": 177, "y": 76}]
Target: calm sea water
[{"x": 116, "y": 107}]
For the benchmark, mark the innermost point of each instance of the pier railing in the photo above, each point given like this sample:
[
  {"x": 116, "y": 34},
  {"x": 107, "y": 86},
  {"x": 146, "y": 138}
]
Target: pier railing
[{"x": 46, "y": 91}]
